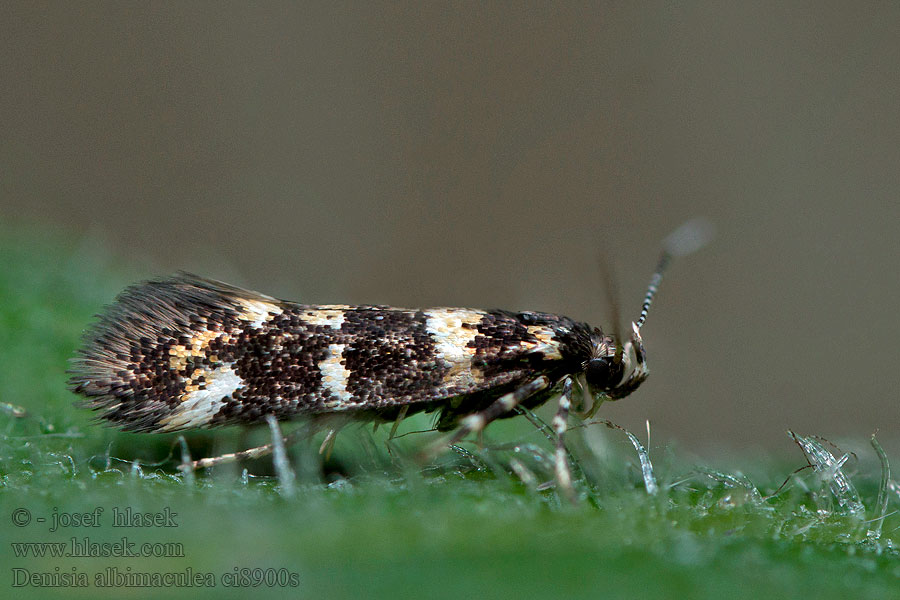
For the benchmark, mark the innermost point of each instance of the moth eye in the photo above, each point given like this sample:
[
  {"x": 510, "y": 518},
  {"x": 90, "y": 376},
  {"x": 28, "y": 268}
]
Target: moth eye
[{"x": 599, "y": 373}]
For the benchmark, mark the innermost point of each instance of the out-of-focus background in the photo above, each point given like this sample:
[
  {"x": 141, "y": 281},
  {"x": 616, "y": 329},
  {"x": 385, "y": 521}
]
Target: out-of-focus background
[{"x": 484, "y": 155}]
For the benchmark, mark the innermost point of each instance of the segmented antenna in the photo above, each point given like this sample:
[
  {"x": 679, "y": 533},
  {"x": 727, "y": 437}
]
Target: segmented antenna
[
  {"x": 688, "y": 238},
  {"x": 654, "y": 286}
]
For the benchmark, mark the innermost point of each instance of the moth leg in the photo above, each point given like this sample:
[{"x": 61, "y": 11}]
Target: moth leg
[
  {"x": 560, "y": 425},
  {"x": 388, "y": 444},
  {"x": 328, "y": 443},
  {"x": 475, "y": 423},
  {"x": 400, "y": 417},
  {"x": 264, "y": 450},
  {"x": 524, "y": 474}
]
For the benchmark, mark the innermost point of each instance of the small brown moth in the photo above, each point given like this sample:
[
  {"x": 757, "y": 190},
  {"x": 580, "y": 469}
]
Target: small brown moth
[{"x": 185, "y": 352}]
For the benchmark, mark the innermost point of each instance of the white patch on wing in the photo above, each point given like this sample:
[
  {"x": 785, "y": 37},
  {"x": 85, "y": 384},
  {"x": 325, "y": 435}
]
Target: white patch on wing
[
  {"x": 333, "y": 316},
  {"x": 258, "y": 311},
  {"x": 335, "y": 376},
  {"x": 198, "y": 407},
  {"x": 451, "y": 341},
  {"x": 547, "y": 344}
]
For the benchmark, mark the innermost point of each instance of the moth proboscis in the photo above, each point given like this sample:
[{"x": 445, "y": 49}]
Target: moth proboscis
[{"x": 186, "y": 352}]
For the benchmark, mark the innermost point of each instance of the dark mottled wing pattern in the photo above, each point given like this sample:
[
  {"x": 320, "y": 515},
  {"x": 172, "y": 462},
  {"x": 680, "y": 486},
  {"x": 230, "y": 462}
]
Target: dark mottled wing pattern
[{"x": 186, "y": 352}]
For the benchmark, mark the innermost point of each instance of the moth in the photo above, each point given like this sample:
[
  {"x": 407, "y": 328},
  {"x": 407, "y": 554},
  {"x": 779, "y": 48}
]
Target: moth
[{"x": 185, "y": 352}]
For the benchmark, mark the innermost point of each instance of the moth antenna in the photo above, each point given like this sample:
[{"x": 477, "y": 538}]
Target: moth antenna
[
  {"x": 688, "y": 238},
  {"x": 612, "y": 299},
  {"x": 661, "y": 266}
]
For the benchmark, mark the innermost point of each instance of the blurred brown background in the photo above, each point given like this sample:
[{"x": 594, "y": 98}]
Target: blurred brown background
[{"x": 471, "y": 154}]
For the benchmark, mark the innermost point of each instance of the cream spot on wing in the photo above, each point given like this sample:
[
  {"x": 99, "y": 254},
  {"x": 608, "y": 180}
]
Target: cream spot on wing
[
  {"x": 451, "y": 341},
  {"x": 333, "y": 316},
  {"x": 335, "y": 376},
  {"x": 199, "y": 406},
  {"x": 178, "y": 354},
  {"x": 258, "y": 311},
  {"x": 546, "y": 344}
]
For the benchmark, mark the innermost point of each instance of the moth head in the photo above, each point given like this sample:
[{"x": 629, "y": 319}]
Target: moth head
[{"x": 615, "y": 368}]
